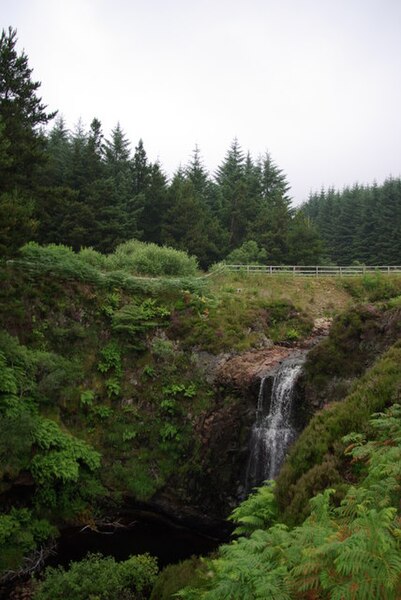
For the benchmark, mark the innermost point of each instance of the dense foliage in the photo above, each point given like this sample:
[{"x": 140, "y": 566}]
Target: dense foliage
[
  {"x": 361, "y": 223},
  {"x": 101, "y": 578}
]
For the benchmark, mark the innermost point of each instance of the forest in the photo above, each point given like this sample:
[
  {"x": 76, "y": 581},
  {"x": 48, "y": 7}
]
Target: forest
[
  {"x": 121, "y": 398},
  {"x": 82, "y": 189}
]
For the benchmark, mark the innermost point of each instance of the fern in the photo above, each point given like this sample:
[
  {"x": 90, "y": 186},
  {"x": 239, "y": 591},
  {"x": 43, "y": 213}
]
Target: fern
[
  {"x": 256, "y": 512},
  {"x": 349, "y": 552}
]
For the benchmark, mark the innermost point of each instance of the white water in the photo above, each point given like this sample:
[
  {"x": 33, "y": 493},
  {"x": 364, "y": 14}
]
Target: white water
[{"x": 272, "y": 432}]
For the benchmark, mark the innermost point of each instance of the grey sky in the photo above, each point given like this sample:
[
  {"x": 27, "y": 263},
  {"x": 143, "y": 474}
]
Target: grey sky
[{"x": 315, "y": 82}]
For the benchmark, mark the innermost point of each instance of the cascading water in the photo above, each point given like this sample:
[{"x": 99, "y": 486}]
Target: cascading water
[{"x": 272, "y": 432}]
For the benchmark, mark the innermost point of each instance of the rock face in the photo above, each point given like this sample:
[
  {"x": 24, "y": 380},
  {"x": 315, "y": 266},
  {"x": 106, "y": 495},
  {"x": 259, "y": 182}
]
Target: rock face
[
  {"x": 225, "y": 431},
  {"x": 240, "y": 371}
]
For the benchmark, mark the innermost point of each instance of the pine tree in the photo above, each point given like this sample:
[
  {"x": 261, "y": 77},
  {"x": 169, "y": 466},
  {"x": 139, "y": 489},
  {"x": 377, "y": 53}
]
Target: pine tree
[
  {"x": 77, "y": 178},
  {"x": 117, "y": 151},
  {"x": 155, "y": 206},
  {"x": 270, "y": 228},
  {"x": 305, "y": 246},
  {"x": 140, "y": 169},
  {"x": 94, "y": 152},
  {"x": 188, "y": 224},
  {"x": 197, "y": 174},
  {"x": 22, "y": 114},
  {"x": 22, "y": 144},
  {"x": 232, "y": 190},
  {"x": 56, "y": 170}
]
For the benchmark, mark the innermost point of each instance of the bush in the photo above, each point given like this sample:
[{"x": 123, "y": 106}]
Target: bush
[
  {"x": 20, "y": 533},
  {"x": 149, "y": 259},
  {"x": 247, "y": 254},
  {"x": 100, "y": 578},
  {"x": 60, "y": 260}
]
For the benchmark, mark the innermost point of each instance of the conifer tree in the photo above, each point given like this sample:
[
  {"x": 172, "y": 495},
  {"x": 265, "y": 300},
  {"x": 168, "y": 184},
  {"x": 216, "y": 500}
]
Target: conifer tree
[
  {"x": 140, "y": 169},
  {"x": 188, "y": 225},
  {"x": 155, "y": 205},
  {"x": 56, "y": 170},
  {"x": 270, "y": 228},
  {"x": 22, "y": 114},
  {"x": 232, "y": 191},
  {"x": 22, "y": 144},
  {"x": 94, "y": 152},
  {"x": 117, "y": 150}
]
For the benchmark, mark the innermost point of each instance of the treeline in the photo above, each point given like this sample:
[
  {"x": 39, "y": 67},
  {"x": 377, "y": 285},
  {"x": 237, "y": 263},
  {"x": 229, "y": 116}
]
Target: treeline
[
  {"x": 359, "y": 224},
  {"x": 81, "y": 188}
]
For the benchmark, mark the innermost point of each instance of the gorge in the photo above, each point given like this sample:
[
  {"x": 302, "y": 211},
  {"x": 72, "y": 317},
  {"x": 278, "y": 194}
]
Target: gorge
[{"x": 140, "y": 405}]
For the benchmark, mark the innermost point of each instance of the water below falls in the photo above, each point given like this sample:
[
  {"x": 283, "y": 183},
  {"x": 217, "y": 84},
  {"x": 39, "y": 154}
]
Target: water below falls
[{"x": 272, "y": 431}]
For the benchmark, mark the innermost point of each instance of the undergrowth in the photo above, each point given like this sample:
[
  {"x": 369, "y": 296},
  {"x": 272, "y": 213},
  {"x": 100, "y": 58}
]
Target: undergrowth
[{"x": 349, "y": 551}]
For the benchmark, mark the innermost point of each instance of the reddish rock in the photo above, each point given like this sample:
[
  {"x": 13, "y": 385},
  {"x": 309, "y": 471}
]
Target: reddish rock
[{"x": 239, "y": 371}]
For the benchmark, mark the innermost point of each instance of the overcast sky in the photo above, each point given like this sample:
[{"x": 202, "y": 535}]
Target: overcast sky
[{"x": 317, "y": 83}]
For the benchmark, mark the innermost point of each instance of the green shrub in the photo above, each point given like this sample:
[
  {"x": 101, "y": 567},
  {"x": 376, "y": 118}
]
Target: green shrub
[
  {"x": 93, "y": 258},
  {"x": 258, "y": 511},
  {"x": 100, "y": 578},
  {"x": 141, "y": 258},
  {"x": 137, "y": 317},
  {"x": 111, "y": 358},
  {"x": 61, "y": 455},
  {"x": 20, "y": 534},
  {"x": 247, "y": 254},
  {"x": 60, "y": 260}
]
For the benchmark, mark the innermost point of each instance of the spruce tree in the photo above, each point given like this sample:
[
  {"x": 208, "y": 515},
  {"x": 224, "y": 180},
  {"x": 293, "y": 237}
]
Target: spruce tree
[
  {"x": 232, "y": 191},
  {"x": 140, "y": 169},
  {"x": 155, "y": 205},
  {"x": 22, "y": 114},
  {"x": 270, "y": 228},
  {"x": 22, "y": 144},
  {"x": 117, "y": 151},
  {"x": 58, "y": 164}
]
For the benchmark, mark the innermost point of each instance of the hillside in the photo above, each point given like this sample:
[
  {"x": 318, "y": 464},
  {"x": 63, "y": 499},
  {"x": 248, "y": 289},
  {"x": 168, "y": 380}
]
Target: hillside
[{"x": 109, "y": 387}]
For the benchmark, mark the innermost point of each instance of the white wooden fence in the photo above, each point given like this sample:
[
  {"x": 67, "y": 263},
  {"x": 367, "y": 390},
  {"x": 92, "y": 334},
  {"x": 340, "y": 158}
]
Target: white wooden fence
[{"x": 315, "y": 270}]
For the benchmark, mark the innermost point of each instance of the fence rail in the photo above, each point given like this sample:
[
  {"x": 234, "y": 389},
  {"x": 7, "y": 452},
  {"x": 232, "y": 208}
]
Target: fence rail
[{"x": 315, "y": 270}]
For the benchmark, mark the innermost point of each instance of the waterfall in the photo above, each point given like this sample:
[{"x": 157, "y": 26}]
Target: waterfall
[{"x": 272, "y": 432}]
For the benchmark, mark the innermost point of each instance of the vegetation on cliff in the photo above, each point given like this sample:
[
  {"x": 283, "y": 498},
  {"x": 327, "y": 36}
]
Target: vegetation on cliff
[
  {"x": 102, "y": 393},
  {"x": 351, "y": 551},
  {"x": 103, "y": 397}
]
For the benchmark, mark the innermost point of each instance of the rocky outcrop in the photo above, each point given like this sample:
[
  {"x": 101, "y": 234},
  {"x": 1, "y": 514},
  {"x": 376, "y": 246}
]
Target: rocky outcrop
[{"x": 240, "y": 371}]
